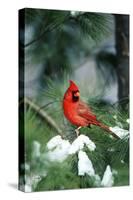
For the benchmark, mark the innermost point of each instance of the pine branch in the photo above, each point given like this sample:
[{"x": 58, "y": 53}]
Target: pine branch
[
  {"x": 49, "y": 29},
  {"x": 43, "y": 114}
]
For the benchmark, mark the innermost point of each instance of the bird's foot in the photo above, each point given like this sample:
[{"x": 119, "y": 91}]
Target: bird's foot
[{"x": 77, "y": 131}]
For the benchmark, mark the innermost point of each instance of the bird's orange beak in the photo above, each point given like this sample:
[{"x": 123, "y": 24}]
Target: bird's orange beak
[{"x": 77, "y": 94}]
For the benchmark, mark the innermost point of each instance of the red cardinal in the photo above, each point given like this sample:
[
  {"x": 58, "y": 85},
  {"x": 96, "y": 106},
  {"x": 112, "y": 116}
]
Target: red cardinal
[{"x": 78, "y": 112}]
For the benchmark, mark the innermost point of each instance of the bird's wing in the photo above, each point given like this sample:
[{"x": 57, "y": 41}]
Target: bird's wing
[{"x": 84, "y": 111}]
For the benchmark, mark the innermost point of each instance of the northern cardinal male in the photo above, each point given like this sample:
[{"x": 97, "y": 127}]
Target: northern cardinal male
[{"x": 78, "y": 112}]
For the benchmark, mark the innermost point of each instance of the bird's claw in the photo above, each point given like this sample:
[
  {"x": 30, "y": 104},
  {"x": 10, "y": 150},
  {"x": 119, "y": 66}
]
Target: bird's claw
[{"x": 77, "y": 131}]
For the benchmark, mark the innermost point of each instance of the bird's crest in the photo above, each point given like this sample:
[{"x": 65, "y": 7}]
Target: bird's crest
[{"x": 73, "y": 86}]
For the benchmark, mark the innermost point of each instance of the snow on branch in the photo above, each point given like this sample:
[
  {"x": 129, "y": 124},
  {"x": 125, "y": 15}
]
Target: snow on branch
[
  {"x": 58, "y": 149},
  {"x": 128, "y": 121},
  {"x": 119, "y": 131},
  {"x": 79, "y": 144},
  {"x": 108, "y": 179},
  {"x": 85, "y": 165}
]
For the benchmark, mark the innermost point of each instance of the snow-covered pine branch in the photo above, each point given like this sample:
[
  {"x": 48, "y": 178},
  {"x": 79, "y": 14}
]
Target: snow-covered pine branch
[
  {"x": 85, "y": 165},
  {"x": 58, "y": 149},
  {"x": 79, "y": 144},
  {"x": 119, "y": 131}
]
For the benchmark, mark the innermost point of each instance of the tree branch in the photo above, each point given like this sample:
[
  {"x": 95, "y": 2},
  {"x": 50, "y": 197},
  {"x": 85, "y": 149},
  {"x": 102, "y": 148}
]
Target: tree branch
[
  {"x": 46, "y": 31},
  {"x": 43, "y": 114}
]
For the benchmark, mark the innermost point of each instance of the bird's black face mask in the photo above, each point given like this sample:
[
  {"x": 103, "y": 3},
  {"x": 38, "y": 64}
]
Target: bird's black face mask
[{"x": 75, "y": 96}]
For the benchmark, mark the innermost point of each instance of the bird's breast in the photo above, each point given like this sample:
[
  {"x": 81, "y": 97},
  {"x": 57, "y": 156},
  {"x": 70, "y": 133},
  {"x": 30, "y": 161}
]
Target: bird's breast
[
  {"x": 70, "y": 112},
  {"x": 70, "y": 109}
]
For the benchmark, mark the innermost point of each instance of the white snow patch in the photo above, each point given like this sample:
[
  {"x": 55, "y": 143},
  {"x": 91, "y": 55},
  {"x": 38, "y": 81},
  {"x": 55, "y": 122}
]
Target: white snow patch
[
  {"x": 54, "y": 142},
  {"x": 35, "y": 180},
  {"x": 111, "y": 149},
  {"x": 84, "y": 164},
  {"x": 119, "y": 131},
  {"x": 31, "y": 182},
  {"x": 128, "y": 121},
  {"x": 108, "y": 179},
  {"x": 58, "y": 149},
  {"x": 28, "y": 188},
  {"x": 73, "y": 13},
  {"x": 115, "y": 116},
  {"x": 79, "y": 144},
  {"x": 122, "y": 161}
]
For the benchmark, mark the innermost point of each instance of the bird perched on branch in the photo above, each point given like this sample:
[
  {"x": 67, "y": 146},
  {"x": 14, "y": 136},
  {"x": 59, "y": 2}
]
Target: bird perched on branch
[{"x": 78, "y": 112}]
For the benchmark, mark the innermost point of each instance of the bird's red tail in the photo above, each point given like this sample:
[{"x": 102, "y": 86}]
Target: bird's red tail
[{"x": 107, "y": 129}]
